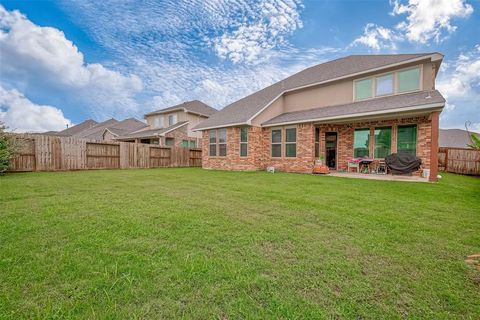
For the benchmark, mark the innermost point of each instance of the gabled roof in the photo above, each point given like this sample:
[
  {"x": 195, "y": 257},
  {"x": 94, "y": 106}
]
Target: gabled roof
[
  {"x": 149, "y": 133},
  {"x": 126, "y": 126},
  {"x": 245, "y": 109},
  {"x": 76, "y": 129},
  {"x": 387, "y": 105},
  {"x": 96, "y": 132},
  {"x": 455, "y": 138},
  {"x": 194, "y": 106}
]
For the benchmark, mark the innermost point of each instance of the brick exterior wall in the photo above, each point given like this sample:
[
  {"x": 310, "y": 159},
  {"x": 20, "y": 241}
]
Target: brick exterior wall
[
  {"x": 345, "y": 134},
  {"x": 259, "y": 145},
  {"x": 179, "y": 135}
]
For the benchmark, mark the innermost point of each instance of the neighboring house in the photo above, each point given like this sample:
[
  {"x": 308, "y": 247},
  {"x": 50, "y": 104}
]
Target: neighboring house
[
  {"x": 173, "y": 125},
  {"x": 107, "y": 130},
  {"x": 71, "y": 131},
  {"x": 122, "y": 128},
  {"x": 455, "y": 138},
  {"x": 357, "y": 106}
]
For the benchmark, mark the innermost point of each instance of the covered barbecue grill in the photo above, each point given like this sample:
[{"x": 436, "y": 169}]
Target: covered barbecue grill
[{"x": 402, "y": 163}]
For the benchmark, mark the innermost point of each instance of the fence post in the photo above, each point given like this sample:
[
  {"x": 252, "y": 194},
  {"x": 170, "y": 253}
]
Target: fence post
[{"x": 446, "y": 159}]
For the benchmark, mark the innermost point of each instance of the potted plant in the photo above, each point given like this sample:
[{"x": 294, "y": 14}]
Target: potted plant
[{"x": 321, "y": 160}]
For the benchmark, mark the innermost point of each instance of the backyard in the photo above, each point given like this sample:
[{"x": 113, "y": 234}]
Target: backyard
[{"x": 192, "y": 243}]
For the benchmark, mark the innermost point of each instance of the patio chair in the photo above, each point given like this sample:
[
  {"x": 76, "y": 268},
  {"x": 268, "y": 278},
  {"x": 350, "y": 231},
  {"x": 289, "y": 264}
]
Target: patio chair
[{"x": 353, "y": 165}]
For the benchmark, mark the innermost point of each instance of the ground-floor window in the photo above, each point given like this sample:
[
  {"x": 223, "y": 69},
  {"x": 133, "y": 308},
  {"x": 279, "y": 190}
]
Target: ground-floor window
[
  {"x": 193, "y": 144},
  {"x": 222, "y": 142},
  {"x": 407, "y": 139},
  {"x": 170, "y": 141},
  {"x": 147, "y": 141},
  {"x": 291, "y": 142},
  {"x": 361, "y": 143},
  {"x": 382, "y": 142},
  {"x": 243, "y": 142},
  {"x": 276, "y": 143},
  {"x": 317, "y": 142},
  {"x": 212, "y": 143},
  {"x": 185, "y": 143}
]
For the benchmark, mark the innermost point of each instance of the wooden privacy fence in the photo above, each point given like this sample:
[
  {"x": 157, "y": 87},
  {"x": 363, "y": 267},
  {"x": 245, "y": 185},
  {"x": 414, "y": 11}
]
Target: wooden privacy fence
[
  {"x": 51, "y": 153},
  {"x": 459, "y": 160}
]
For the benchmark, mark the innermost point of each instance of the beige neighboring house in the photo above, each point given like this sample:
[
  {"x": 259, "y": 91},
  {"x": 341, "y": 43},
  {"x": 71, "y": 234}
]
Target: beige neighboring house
[
  {"x": 122, "y": 128},
  {"x": 172, "y": 126}
]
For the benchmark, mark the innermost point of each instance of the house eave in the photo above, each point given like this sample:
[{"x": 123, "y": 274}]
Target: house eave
[{"x": 222, "y": 126}]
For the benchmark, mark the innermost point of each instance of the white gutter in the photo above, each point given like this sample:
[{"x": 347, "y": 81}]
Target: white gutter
[{"x": 361, "y": 114}]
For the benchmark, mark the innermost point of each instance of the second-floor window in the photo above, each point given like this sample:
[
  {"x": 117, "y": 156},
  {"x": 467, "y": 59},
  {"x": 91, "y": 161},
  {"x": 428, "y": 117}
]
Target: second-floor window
[
  {"x": 158, "y": 122},
  {"x": 172, "y": 119},
  {"x": 401, "y": 81},
  {"x": 384, "y": 85},
  {"x": 409, "y": 80}
]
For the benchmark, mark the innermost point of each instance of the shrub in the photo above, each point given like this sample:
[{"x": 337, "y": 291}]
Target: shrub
[{"x": 8, "y": 148}]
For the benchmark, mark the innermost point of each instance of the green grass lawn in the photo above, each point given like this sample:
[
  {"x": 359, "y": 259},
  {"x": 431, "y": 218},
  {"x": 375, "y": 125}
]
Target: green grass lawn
[{"x": 191, "y": 243}]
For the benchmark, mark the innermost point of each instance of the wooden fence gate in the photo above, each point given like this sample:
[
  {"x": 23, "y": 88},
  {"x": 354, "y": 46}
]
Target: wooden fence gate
[{"x": 52, "y": 153}]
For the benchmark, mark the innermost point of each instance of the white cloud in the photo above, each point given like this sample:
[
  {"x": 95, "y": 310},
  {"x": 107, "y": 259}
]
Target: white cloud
[
  {"x": 266, "y": 29},
  {"x": 459, "y": 82},
  {"x": 377, "y": 37},
  {"x": 21, "y": 115},
  {"x": 430, "y": 19},
  {"x": 463, "y": 75},
  {"x": 42, "y": 57},
  {"x": 425, "y": 20}
]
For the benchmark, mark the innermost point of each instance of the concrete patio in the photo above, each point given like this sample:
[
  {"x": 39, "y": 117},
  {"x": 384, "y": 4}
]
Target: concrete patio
[{"x": 371, "y": 176}]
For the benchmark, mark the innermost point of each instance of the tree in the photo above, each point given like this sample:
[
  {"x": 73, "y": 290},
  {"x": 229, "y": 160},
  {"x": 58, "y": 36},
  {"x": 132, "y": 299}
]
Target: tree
[
  {"x": 8, "y": 148},
  {"x": 475, "y": 141}
]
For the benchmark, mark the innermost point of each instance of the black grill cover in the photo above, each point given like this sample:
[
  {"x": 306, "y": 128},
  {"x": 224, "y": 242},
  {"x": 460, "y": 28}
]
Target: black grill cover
[{"x": 403, "y": 162}]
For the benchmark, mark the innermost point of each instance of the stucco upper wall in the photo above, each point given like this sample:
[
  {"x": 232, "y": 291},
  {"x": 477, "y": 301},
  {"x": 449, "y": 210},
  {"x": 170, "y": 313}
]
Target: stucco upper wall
[
  {"x": 334, "y": 93},
  {"x": 275, "y": 109}
]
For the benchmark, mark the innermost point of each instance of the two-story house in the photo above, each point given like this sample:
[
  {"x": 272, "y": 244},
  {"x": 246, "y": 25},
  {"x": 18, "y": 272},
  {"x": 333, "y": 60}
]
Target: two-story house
[
  {"x": 353, "y": 107},
  {"x": 172, "y": 126}
]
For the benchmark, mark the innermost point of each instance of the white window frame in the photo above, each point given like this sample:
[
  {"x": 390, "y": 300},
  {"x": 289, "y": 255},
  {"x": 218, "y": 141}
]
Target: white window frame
[
  {"x": 173, "y": 118},
  {"x": 243, "y": 142},
  {"x": 210, "y": 143},
  {"x": 276, "y": 143},
  {"x": 285, "y": 141},
  {"x": 223, "y": 143}
]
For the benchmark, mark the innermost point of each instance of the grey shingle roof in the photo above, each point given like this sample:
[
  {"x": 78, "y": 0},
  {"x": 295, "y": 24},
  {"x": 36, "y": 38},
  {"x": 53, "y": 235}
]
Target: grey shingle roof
[
  {"x": 76, "y": 129},
  {"x": 454, "y": 138},
  {"x": 242, "y": 110},
  {"x": 151, "y": 132},
  {"x": 193, "y": 106},
  {"x": 96, "y": 132},
  {"x": 382, "y": 105},
  {"x": 126, "y": 126}
]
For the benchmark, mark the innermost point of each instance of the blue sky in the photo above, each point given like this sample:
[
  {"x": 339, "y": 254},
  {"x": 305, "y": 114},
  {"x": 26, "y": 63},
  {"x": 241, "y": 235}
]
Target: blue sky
[{"x": 65, "y": 61}]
